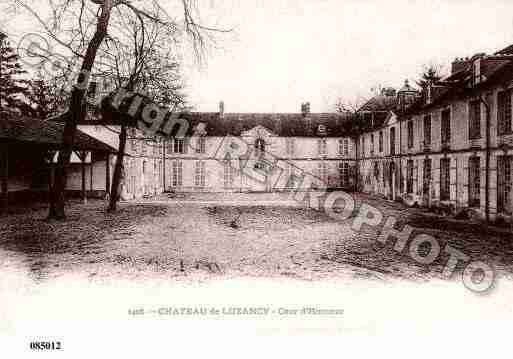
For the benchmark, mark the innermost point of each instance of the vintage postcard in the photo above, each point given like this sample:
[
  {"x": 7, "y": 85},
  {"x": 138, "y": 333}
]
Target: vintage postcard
[{"x": 257, "y": 178}]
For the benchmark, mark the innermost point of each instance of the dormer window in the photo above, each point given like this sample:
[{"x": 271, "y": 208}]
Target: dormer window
[
  {"x": 260, "y": 145},
  {"x": 321, "y": 130}
]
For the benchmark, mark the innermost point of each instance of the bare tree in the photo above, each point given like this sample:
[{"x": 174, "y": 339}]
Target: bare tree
[
  {"x": 81, "y": 27},
  {"x": 147, "y": 66}
]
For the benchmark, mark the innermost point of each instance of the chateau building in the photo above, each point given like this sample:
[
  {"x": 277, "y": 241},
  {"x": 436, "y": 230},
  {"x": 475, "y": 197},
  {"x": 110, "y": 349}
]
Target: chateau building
[
  {"x": 453, "y": 145},
  {"x": 449, "y": 145}
]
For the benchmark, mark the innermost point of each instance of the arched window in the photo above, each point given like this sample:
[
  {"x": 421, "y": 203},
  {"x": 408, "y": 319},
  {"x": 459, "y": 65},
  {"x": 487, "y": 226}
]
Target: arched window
[{"x": 260, "y": 145}]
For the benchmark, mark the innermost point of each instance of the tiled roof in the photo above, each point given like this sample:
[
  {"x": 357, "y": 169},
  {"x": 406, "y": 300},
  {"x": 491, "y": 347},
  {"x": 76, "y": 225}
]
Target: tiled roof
[
  {"x": 495, "y": 69},
  {"x": 507, "y": 51},
  {"x": 380, "y": 103},
  {"x": 47, "y": 132},
  {"x": 282, "y": 124}
]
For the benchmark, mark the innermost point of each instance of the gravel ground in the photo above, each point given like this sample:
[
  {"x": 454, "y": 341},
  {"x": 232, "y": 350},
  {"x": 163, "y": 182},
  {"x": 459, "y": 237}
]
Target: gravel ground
[{"x": 204, "y": 236}]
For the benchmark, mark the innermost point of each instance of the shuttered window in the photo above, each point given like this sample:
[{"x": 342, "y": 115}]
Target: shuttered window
[
  {"x": 446, "y": 127},
  {"x": 409, "y": 176},
  {"x": 475, "y": 119},
  {"x": 504, "y": 112},
  {"x": 504, "y": 184},
  {"x": 474, "y": 182},
  {"x": 445, "y": 179},
  {"x": 427, "y": 130}
]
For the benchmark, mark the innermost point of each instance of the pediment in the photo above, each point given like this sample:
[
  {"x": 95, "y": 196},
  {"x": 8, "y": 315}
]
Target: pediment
[
  {"x": 258, "y": 132},
  {"x": 391, "y": 119}
]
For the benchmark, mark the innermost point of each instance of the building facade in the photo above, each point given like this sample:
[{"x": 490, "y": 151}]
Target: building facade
[
  {"x": 453, "y": 145},
  {"x": 448, "y": 145},
  {"x": 299, "y": 145}
]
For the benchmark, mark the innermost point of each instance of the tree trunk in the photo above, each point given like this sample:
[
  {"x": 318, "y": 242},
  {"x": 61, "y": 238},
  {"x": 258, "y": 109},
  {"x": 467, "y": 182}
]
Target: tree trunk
[
  {"x": 118, "y": 169},
  {"x": 77, "y": 113}
]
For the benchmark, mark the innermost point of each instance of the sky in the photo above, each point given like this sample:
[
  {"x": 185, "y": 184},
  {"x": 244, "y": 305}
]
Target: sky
[{"x": 285, "y": 52}]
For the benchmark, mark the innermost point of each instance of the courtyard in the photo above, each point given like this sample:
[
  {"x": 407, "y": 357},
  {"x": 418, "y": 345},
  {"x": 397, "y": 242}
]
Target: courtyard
[{"x": 201, "y": 236}]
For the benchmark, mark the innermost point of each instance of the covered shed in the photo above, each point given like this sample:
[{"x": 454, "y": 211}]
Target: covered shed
[{"x": 28, "y": 152}]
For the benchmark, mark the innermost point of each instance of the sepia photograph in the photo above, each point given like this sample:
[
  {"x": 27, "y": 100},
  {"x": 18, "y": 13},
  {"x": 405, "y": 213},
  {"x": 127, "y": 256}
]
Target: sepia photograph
[{"x": 256, "y": 178}]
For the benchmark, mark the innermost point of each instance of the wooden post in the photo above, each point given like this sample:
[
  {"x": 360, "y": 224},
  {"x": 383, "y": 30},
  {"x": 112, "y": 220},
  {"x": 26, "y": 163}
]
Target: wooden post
[
  {"x": 107, "y": 175},
  {"x": 91, "y": 173},
  {"x": 164, "y": 165},
  {"x": 4, "y": 173},
  {"x": 83, "y": 155}
]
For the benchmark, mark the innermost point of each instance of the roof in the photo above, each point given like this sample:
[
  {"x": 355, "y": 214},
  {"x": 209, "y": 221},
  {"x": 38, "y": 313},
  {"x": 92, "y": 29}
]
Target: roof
[
  {"x": 507, "y": 51},
  {"x": 380, "y": 103},
  {"x": 282, "y": 124},
  {"x": 495, "y": 69},
  {"x": 27, "y": 129}
]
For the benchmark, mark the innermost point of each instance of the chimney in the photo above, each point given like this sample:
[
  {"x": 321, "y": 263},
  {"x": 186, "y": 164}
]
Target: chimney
[
  {"x": 221, "y": 109},
  {"x": 305, "y": 109},
  {"x": 459, "y": 64}
]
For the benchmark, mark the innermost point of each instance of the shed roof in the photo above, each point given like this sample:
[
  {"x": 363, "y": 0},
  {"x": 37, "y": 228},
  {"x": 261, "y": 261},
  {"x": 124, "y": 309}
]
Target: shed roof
[{"x": 26, "y": 129}]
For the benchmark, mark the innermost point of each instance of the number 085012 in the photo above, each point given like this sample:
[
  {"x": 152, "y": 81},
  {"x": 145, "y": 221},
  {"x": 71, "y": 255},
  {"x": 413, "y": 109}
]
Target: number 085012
[{"x": 45, "y": 345}]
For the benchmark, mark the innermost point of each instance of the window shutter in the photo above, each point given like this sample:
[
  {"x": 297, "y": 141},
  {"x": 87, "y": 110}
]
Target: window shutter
[{"x": 186, "y": 144}]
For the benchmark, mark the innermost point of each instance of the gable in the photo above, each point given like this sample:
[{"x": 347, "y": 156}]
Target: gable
[
  {"x": 258, "y": 131},
  {"x": 391, "y": 119}
]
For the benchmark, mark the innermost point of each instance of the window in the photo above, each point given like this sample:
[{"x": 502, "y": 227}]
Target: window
[
  {"x": 346, "y": 147},
  {"x": 200, "y": 145},
  {"x": 504, "y": 112},
  {"x": 427, "y": 130},
  {"x": 321, "y": 130},
  {"x": 475, "y": 119},
  {"x": 376, "y": 170},
  {"x": 504, "y": 184},
  {"x": 392, "y": 141},
  {"x": 199, "y": 174},
  {"x": 409, "y": 176},
  {"x": 290, "y": 146},
  {"x": 260, "y": 146},
  {"x": 363, "y": 146},
  {"x": 160, "y": 178},
  {"x": 380, "y": 141},
  {"x": 143, "y": 148},
  {"x": 228, "y": 174},
  {"x": 323, "y": 150},
  {"x": 410, "y": 134},
  {"x": 372, "y": 143},
  {"x": 427, "y": 176},
  {"x": 446, "y": 127},
  {"x": 179, "y": 145},
  {"x": 341, "y": 149},
  {"x": 445, "y": 179},
  {"x": 177, "y": 174},
  {"x": 323, "y": 171},
  {"x": 343, "y": 169},
  {"x": 474, "y": 182}
]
